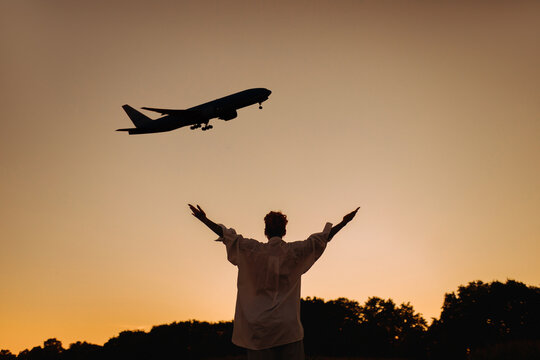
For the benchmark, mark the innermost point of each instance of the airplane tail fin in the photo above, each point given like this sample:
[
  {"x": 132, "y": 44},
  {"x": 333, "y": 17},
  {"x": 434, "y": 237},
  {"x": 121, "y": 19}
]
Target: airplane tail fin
[{"x": 139, "y": 119}]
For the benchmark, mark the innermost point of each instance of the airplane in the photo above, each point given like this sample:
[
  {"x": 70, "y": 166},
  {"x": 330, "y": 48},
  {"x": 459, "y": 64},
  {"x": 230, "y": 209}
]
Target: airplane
[{"x": 223, "y": 108}]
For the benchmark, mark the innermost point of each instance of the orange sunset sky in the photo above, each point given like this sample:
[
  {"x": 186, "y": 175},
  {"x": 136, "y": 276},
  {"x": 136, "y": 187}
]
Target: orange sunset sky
[{"x": 424, "y": 113}]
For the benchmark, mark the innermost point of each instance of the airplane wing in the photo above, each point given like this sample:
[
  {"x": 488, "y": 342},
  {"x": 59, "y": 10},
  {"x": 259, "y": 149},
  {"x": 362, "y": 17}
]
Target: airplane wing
[{"x": 170, "y": 111}]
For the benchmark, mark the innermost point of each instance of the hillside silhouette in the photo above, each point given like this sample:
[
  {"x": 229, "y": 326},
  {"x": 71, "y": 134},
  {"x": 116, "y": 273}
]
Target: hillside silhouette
[{"x": 478, "y": 321}]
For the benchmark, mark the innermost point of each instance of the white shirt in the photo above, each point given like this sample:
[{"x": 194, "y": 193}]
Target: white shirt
[{"x": 268, "y": 299}]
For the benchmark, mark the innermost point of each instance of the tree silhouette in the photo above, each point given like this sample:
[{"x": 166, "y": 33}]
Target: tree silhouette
[
  {"x": 52, "y": 350},
  {"x": 82, "y": 351},
  {"x": 479, "y": 321},
  {"x": 481, "y": 315},
  {"x": 183, "y": 340},
  {"x": 391, "y": 330},
  {"x": 331, "y": 328},
  {"x": 7, "y": 355},
  {"x": 344, "y": 328}
]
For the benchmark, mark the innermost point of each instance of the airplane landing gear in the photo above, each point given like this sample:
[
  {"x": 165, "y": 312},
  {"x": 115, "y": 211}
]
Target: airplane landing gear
[
  {"x": 207, "y": 127},
  {"x": 196, "y": 126},
  {"x": 260, "y": 105}
]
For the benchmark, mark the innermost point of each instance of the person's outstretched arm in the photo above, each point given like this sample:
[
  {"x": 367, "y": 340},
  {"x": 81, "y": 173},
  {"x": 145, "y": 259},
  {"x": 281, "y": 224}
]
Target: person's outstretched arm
[
  {"x": 201, "y": 215},
  {"x": 344, "y": 222}
]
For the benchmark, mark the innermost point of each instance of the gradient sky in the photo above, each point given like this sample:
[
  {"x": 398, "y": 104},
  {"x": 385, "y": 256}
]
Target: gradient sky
[{"x": 426, "y": 114}]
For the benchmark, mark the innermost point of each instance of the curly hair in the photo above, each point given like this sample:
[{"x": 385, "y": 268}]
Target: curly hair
[{"x": 275, "y": 222}]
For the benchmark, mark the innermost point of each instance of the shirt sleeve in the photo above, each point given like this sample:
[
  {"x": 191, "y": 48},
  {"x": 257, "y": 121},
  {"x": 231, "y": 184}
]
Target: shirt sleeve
[
  {"x": 235, "y": 243},
  {"x": 311, "y": 249}
]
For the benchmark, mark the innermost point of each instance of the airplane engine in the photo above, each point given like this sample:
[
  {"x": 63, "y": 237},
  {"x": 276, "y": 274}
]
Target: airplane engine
[{"x": 228, "y": 115}]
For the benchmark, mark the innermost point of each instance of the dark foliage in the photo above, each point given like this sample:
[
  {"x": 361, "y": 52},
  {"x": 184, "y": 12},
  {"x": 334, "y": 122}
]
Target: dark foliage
[
  {"x": 482, "y": 315},
  {"x": 330, "y": 328},
  {"x": 82, "y": 351},
  {"x": 184, "y": 340},
  {"x": 52, "y": 349},
  {"x": 480, "y": 321},
  {"x": 519, "y": 349},
  {"x": 389, "y": 330},
  {"x": 378, "y": 328},
  {"x": 7, "y": 355}
]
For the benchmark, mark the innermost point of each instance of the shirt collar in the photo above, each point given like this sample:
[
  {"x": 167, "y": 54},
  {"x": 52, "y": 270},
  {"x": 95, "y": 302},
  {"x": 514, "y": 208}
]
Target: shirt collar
[{"x": 274, "y": 240}]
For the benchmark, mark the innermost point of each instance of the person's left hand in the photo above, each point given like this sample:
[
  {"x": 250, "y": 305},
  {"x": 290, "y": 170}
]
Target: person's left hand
[
  {"x": 350, "y": 215},
  {"x": 198, "y": 212}
]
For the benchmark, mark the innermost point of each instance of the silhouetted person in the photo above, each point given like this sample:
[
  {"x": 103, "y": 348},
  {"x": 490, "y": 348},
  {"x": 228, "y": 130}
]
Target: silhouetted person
[{"x": 267, "y": 317}]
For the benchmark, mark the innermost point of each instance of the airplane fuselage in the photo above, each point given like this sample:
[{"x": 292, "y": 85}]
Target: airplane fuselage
[
  {"x": 214, "y": 109},
  {"x": 224, "y": 108}
]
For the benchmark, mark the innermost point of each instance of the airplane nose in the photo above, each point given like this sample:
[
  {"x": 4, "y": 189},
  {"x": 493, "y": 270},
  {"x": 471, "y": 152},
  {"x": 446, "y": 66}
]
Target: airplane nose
[{"x": 268, "y": 92}]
